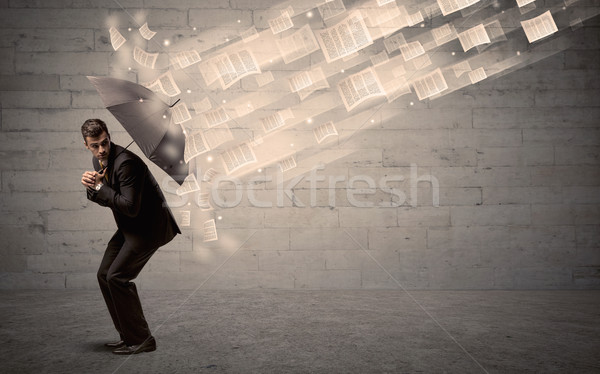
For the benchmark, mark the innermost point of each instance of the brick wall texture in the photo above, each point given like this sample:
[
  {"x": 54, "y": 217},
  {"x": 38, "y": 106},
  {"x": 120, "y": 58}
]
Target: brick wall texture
[{"x": 492, "y": 185}]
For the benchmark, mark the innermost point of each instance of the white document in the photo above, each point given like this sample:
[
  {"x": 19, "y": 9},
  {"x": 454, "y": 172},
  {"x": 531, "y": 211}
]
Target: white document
[
  {"x": 180, "y": 113},
  {"x": 444, "y": 34},
  {"x": 461, "y": 68},
  {"x": 430, "y": 85},
  {"x": 287, "y": 164},
  {"x": 394, "y": 42},
  {"x": 116, "y": 39},
  {"x": 477, "y": 75},
  {"x": 146, "y": 32},
  {"x": 249, "y": 35},
  {"x": 216, "y": 117},
  {"x": 195, "y": 145},
  {"x": 276, "y": 120},
  {"x": 345, "y": 38},
  {"x": 411, "y": 50},
  {"x": 264, "y": 79},
  {"x": 522, "y": 3},
  {"x": 185, "y": 218},
  {"x": 190, "y": 184},
  {"x": 210, "y": 231},
  {"x": 380, "y": 58},
  {"x": 217, "y": 136},
  {"x": 237, "y": 157},
  {"x": 396, "y": 88},
  {"x": 202, "y": 106},
  {"x": 165, "y": 84},
  {"x": 281, "y": 23},
  {"x": 473, "y": 37},
  {"x": 539, "y": 27},
  {"x": 451, "y": 6},
  {"x": 144, "y": 58},
  {"x": 210, "y": 175},
  {"x": 187, "y": 58},
  {"x": 319, "y": 82},
  {"x": 330, "y": 9},
  {"x": 359, "y": 87},
  {"x": 415, "y": 18},
  {"x": 203, "y": 201},
  {"x": 299, "y": 44},
  {"x": 325, "y": 130},
  {"x": 234, "y": 66},
  {"x": 420, "y": 62}
]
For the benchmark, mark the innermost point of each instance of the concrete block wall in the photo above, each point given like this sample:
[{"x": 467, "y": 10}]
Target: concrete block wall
[{"x": 516, "y": 159}]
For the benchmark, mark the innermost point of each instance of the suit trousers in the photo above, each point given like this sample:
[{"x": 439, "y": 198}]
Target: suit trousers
[{"x": 122, "y": 262}]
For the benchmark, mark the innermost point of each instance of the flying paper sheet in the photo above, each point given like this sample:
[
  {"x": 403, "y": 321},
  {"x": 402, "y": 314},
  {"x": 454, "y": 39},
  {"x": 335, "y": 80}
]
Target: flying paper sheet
[
  {"x": 210, "y": 231},
  {"x": 287, "y": 164},
  {"x": 345, "y": 38},
  {"x": 299, "y": 44},
  {"x": 195, "y": 145},
  {"x": 202, "y": 106},
  {"x": 411, "y": 50},
  {"x": 180, "y": 113},
  {"x": 234, "y": 66},
  {"x": 444, "y": 34},
  {"x": 146, "y": 32},
  {"x": 190, "y": 184},
  {"x": 324, "y": 131},
  {"x": 276, "y": 120},
  {"x": 451, "y": 6},
  {"x": 430, "y": 85},
  {"x": 116, "y": 39},
  {"x": 473, "y": 37},
  {"x": 187, "y": 58},
  {"x": 331, "y": 9},
  {"x": 477, "y": 75},
  {"x": 144, "y": 58},
  {"x": 539, "y": 27},
  {"x": 359, "y": 87},
  {"x": 165, "y": 84},
  {"x": 237, "y": 157},
  {"x": 281, "y": 23},
  {"x": 216, "y": 117}
]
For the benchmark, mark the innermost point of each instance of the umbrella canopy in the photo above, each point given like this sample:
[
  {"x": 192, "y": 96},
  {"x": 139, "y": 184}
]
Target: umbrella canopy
[{"x": 148, "y": 120}]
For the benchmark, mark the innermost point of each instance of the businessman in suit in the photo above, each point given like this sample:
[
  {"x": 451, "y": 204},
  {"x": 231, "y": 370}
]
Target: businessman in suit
[{"x": 122, "y": 182}]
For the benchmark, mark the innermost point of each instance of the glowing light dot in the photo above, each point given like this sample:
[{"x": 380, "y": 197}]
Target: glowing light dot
[
  {"x": 412, "y": 103},
  {"x": 224, "y": 101},
  {"x": 422, "y": 25},
  {"x": 259, "y": 170},
  {"x": 129, "y": 68},
  {"x": 164, "y": 116},
  {"x": 453, "y": 53},
  {"x": 166, "y": 42},
  {"x": 141, "y": 100},
  {"x": 239, "y": 21},
  {"x": 309, "y": 14},
  {"x": 518, "y": 53},
  {"x": 292, "y": 144},
  {"x": 184, "y": 132},
  {"x": 189, "y": 204},
  {"x": 564, "y": 8},
  {"x": 220, "y": 218},
  {"x": 195, "y": 28},
  {"x": 372, "y": 121},
  {"x": 342, "y": 71},
  {"x": 309, "y": 120},
  {"x": 189, "y": 91},
  {"x": 180, "y": 162},
  {"x": 129, "y": 29},
  {"x": 209, "y": 158},
  {"x": 226, "y": 39},
  {"x": 271, "y": 60}
]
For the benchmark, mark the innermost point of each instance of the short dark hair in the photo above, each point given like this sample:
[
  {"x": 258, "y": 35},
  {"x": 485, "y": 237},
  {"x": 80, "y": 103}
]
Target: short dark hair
[{"x": 93, "y": 128}]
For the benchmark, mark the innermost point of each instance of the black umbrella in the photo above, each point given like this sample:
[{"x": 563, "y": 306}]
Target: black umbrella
[{"x": 148, "y": 120}]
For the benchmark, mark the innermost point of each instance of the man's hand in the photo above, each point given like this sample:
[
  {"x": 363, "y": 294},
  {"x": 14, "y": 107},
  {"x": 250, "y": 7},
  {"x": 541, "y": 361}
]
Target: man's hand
[{"x": 92, "y": 178}]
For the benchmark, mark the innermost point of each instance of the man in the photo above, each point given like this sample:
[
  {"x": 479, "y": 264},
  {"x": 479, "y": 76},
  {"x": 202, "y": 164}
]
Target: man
[{"x": 122, "y": 182}]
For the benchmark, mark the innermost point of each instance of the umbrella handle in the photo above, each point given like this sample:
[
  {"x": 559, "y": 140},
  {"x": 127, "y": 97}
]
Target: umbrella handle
[{"x": 172, "y": 105}]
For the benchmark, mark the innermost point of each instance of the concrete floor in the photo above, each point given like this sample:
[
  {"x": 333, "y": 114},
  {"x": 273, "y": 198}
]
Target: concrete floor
[{"x": 273, "y": 331}]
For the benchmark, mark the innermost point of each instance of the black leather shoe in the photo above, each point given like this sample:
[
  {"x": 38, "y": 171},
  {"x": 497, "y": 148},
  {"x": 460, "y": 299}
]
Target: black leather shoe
[
  {"x": 118, "y": 344},
  {"x": 148, "y": 345}
]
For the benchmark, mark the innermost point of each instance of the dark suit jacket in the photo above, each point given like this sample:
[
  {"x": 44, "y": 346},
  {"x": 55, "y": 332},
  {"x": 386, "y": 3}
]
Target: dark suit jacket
[{"x": 137, "y": 203}]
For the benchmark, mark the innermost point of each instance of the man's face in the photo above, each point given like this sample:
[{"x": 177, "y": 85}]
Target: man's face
[{"x": 99, "y": 146}]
